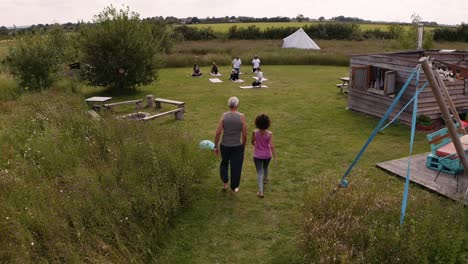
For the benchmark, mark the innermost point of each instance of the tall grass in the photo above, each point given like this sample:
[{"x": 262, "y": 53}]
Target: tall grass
[
  {"x": 333, "y": 52},
  {"x": 9, "y": 89},
  {"x": 75, "y": 189},
  {"x": 270, "y": 51},
  {"x": 359, "y": 225}
]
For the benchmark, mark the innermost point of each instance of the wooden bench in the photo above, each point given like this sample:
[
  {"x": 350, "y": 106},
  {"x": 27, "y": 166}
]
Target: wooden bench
[
  {"x": 443, "y": 156},
  {"x": 96, "y": 102},
  {"x": 342, "y": 86},
  {"x": 158, "y": 102},
  {"x": 179, "y": 114},
  {"x": 137, "y": 102}
]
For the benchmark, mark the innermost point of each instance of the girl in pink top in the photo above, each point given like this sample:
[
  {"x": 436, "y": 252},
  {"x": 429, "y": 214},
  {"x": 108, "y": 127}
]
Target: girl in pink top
[{"x": 264, "y": 150}]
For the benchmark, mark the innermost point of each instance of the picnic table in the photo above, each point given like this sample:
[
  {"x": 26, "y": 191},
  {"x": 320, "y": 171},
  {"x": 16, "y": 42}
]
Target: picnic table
[
  {"x": 344, "y": 83},
  {"x": 96, "y": 102}
]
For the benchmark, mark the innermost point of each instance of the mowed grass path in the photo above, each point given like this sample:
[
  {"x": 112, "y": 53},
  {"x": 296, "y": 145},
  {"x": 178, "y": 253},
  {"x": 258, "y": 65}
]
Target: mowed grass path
[{"x": 316, "y": 138}]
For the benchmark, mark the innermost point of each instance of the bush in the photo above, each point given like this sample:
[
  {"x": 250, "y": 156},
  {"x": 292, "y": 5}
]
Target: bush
[
  {"x": 120, "y": 50},
  {"x": 34, "y": 59},
  {"x": 459, "y": 33},
  {"x": 250, "y": 32},
  {"x": 333, "y": 30},
  {"x": 193, "y": 33},
  {"x": 446, "y": 33},
  {"x": 377, "y": 34},
  {"x": 163, "y": 34},
  {"x": 74, "y": 189}
]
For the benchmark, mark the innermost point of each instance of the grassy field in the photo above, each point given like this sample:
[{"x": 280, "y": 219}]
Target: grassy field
[
  {"x": 316, "y": 140},
  {"x": 223, "y": 27},
  {"x": 333, "y": 52}
]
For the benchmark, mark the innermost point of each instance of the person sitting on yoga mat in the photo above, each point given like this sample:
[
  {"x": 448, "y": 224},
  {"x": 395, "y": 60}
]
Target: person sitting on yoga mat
[
  {"x": 196, "y": 71},
  {"x": 234, "y": 75},
  {"x": 214, "y": 68},
  {"x": 258, "y": 79}
]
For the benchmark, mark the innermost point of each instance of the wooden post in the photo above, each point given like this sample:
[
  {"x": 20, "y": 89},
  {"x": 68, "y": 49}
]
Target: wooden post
[
  {"x": 445, "y": 112},
  {"x": 149, "y": 101},
  {"x": 158, "y": 104}
]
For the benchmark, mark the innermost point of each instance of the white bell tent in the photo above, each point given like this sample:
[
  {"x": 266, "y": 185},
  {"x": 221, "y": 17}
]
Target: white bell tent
[{"x": 299, "y": 40}]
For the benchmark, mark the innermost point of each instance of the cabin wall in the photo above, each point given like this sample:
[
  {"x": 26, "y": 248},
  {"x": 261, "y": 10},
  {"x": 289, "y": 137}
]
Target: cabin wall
[{"x": 374, "y": 104}]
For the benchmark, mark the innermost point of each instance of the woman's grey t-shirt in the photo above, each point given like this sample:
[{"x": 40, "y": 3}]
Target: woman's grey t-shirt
[{"x": 232, "y": 129}]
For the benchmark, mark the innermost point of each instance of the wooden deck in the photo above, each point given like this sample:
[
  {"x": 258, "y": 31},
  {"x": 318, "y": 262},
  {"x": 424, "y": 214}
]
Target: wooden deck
[{"x": 445, "y": 185}]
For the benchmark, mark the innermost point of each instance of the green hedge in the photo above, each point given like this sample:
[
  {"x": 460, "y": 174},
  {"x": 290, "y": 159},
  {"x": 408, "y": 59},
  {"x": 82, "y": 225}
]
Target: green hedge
[
  {"x": 348, "y": 31},
  {"x": 459, "y": 33}
]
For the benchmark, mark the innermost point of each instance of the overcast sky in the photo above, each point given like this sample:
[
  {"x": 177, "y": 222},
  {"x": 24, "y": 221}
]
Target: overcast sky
[{"x": 27, "y": 12}]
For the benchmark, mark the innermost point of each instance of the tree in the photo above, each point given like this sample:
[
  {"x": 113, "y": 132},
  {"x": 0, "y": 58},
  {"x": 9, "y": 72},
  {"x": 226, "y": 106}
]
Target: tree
[
  {"x": 120, "y": 50},
  {"x": 408, "y": 38},
  {"x": 34, "y": 59},
  {"x": 300, "y": 17},
  {"x": 396, "y": 30},
  {"x": 4, "y": 31},
  {"x": 321, "y": 18}
]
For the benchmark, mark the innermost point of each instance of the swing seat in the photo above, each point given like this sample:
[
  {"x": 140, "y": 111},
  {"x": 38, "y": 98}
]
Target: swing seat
[{"x": 443, "y": 156}]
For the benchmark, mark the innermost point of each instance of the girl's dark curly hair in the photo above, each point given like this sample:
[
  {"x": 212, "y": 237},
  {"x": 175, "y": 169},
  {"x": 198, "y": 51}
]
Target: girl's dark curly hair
[{"x": 262, "y": 122}]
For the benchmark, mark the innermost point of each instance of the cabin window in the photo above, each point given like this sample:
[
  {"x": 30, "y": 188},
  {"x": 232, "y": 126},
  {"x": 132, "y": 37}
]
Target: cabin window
[
  {"x": 360, "y": 77},
  {"x": 374, "y": 79}
]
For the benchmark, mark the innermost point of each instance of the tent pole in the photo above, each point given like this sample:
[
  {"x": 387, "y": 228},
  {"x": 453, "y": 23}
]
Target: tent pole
[{"x": 445, "y": 112}]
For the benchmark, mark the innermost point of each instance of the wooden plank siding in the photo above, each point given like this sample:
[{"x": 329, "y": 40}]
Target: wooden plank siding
[{"x": 376, "y": 105}]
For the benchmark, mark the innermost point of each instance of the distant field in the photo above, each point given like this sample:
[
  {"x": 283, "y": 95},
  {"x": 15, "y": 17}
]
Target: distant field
[{"x": 223, "y": 27}]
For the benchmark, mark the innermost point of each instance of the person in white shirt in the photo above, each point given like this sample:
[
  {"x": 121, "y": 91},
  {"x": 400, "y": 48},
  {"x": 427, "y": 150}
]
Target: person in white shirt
[
  {"x": 255, "y": 63},
  {"x": 258, "y": 80},
  {"x": 236, "y": 64}
]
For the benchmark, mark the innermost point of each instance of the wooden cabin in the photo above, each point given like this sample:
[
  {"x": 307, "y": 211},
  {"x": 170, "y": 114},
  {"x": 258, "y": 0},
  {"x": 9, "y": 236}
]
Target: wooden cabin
[{"x": 375, "y": 79}]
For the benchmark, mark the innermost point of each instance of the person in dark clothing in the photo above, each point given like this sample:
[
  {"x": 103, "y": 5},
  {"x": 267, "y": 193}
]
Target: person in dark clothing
[
  {"x": 214, "y": 68},
  {"x": 231, "y": 125},
  {"x": 234, "y": 75},
  {"x": 196, "y": 71}
]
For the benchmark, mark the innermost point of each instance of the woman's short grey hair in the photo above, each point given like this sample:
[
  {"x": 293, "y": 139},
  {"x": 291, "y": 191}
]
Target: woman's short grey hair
[{"x": 233, "y": 102}]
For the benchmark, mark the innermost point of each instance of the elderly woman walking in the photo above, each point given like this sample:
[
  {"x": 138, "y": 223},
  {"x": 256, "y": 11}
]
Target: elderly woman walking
[{"x": 231, "y": 125}]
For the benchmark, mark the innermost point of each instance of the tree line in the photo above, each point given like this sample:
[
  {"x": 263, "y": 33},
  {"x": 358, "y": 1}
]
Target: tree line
[{"x": 70, "y": 27}]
